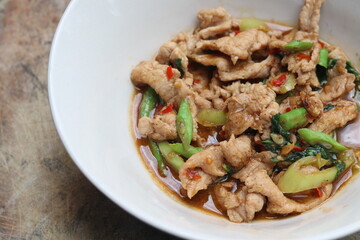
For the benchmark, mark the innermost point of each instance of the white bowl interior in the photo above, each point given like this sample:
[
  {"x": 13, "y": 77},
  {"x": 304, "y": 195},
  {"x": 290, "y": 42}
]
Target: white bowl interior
[{"x": 96, "y": 46}]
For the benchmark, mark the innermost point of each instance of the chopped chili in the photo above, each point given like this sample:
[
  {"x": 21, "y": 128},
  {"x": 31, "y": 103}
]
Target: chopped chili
[
  {"x": 298, "y": 149},
  {"x": 236, "y": 32},
  {"x": 168, "y": 109},
  {"x": 222, "y": 133},
  {"x": 261, "y": 145},
  {"x": 288, "y": 109},
  {"x": 279, "y": 81},
  {"x": 192, "y": 174},
  {"x": 319, "y": 192},
  {"x": 321, "y": 44},
  {"x": 197, "y": 81},
  {"x": 274, "y": 50},
  {"x": 303, "y": 56},
  {"x": 169, "y": 72}
]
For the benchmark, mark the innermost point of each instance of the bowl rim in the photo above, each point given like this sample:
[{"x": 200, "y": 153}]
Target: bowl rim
[{"x": 142, "y": 216}]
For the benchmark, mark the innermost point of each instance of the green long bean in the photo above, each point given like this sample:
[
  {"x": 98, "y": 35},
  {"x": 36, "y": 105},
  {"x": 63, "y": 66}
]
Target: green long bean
[
  {"x": 298, "y": 46},
  {"x": 314, "y": 137},
  {"x": 179, "y": 148},
  {"x": 173, "y": 159},
  {"x": 184, "y": 124},
  {"x": 323, "y": 58},
  {"x": 293, "y": 119},
  {"x": 148, "y": 102}
]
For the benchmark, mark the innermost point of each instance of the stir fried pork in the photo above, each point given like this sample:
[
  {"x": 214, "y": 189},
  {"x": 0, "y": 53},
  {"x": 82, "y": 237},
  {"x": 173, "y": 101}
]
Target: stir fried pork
[
  {"x": 249, "y": 79},
  {"x": 237, "y": 151},
  {"x": 206, "y": 164},
  {"x": 260, "y": 182},
  {"x": 253, "y": 108},
  {"x": 237, "y": 47},
  {"x": 161, "y": 127},
  {"x": 241, "y": 205},
  {"x": 343, "y": 112},
  {"x": 213, "y": 22}
]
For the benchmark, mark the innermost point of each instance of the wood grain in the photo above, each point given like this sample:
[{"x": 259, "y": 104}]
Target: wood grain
[{"x": 42, "y": 193}]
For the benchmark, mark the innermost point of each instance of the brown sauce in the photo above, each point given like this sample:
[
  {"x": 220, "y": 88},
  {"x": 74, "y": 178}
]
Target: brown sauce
[{"x": 205, "y": 200}]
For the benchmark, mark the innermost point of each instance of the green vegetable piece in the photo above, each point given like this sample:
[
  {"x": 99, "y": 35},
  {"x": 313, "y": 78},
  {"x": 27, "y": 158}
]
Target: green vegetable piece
[
  {"x": 228, "y": 168},
  {"x": 184, "y": 124},
  {"x": 211, "y": 117},
  {"x": 295, "y": 181},
  {"x": 179, "y": 149},
  {"x": 332, "y": 63},
  {"x": 298, "y": 46},
  {"x": 157, "y": 154},
  {"x": 276, "y": 127},
  {"x": 309, "y": 151},
  {"x": 350, "y": 68},
  {"x": 323, "y": 58},
  {"x": 293, "y": 119},
  {"x": 322, "y": 72},
  {"x": 179, "y": 67},
  {"x": 249, "y": 23},
  {"x": 271, "y": 146},
  {"x": 173, "y": 159},
  {"x": 314, "y": 137},
  {"x": 148, "y": 102},
  {"x": 329, "y": 107}
]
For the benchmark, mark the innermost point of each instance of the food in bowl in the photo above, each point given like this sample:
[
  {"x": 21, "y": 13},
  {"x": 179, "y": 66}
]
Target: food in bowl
[{"x": 241, "y": 115}]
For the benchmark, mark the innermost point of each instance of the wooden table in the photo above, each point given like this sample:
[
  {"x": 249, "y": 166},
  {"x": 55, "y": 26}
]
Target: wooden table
[{"x": 42, "y": 193}]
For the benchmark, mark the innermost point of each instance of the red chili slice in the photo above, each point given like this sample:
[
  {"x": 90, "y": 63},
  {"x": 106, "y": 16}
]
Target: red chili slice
[
  {"x": 197, "y": 81},
  {"x": 168, "y": 109},
  {"x": 192, "y": 174},
  {"x": 288, "y": 109},
  {"x": 280, "y": 81},
  {"x": 274, "y": 50},
  {"x": 301, "y": 56},
  {"x": 321, "y": 44},
  {"x": 222, "y": 133},
  {"x": 169, "y": 72},
  {"x": 319, "y": 192},
  {"x": 298, "y": 149},
  {"x": 236, "y": 32}
]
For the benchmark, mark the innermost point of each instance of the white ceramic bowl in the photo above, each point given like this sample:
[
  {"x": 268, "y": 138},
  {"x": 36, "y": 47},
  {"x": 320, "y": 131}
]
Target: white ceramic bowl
[{"x": 97, "y": 44}]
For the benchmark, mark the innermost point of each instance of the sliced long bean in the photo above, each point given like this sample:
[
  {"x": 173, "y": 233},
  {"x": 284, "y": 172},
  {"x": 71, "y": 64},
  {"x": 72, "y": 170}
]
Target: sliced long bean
[
  {"x": 314, "y": 137},
  {"x": 323, "y": 58},
  {"x": 249, "y": 23},
  {"x": 211, "y": 117},
  {"x": 184, "y": 124},
  {"x": 157, "y": 154},
  {"x": 293, "y": 119},
  {"x": 148, "y": 102},
  {"x": 179, "y": 148},
  {"x": 298, "y": 46},
  {"x": 173, "y": 159}
]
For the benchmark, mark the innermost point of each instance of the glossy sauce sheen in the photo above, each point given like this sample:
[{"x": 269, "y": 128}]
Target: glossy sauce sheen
[{"x": 204, "y": 200}]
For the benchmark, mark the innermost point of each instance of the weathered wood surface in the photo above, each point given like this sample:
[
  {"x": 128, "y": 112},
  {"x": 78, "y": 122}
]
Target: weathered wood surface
[{"x": 42, "y": 193}]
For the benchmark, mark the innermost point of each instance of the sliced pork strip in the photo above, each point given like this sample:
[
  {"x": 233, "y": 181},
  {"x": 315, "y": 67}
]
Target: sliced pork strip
[
  {"x": 309, "y": 16},
  {"x": 237, "y": 47},
  {"x": 208, "y": 161},
  {"x": 252, "y": 108},
  {"x": 337, "y": 117},
  {"x": 260, "y": 182},
  {"x": 237, "y": 151},
  {"x": 240, "y": 206},
  {"x": 312, "y": 103},
  {"x": 338, "y": 84},
  {"x": 160, "y": 128}
]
